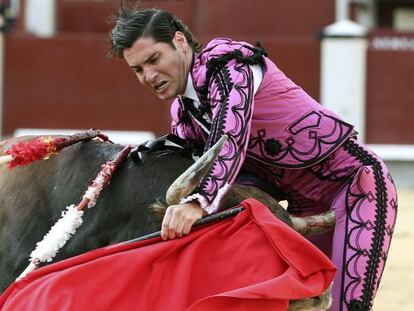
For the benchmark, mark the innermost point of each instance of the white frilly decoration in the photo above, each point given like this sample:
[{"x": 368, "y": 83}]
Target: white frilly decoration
[
  {"x": 195, "y": 196},
  {"x": 209, "y": 208},
  {"x": 58, "y": 235}
]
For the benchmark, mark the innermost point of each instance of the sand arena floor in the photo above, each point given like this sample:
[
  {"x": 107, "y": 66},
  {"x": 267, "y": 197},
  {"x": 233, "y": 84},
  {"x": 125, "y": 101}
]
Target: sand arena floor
[{"x": 396, "y": 291}]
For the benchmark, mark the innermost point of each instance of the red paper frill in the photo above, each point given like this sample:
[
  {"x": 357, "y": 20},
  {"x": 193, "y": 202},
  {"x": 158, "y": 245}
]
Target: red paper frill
[{"x": 24, "y": 153}]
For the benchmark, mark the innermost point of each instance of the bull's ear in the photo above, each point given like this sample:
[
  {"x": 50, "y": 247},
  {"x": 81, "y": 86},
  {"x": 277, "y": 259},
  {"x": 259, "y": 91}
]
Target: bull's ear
[{"x": 190, "y": 179}]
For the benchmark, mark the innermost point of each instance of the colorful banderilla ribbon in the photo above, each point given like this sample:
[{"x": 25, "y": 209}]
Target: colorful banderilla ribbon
[
  {"x": 71, "y": 219},
  {"x": 24, "y": 153}
]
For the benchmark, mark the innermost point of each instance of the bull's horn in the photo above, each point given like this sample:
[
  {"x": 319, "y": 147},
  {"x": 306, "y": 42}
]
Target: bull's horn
[
  {"x": 315, "y": 224},
  {"x": 190, "y": 179}
]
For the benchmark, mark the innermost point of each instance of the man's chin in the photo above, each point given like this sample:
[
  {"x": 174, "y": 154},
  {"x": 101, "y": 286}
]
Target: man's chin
[{"x": 166, "y": 96}]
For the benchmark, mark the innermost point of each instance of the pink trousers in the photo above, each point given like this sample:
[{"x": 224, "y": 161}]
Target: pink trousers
[
  {"x": 355, "y": 183},
  {"x": 365, "y": 217}
]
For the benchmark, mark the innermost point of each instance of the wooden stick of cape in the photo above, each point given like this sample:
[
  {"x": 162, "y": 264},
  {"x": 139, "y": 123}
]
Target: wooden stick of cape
[{"x": 203, "y": 221}]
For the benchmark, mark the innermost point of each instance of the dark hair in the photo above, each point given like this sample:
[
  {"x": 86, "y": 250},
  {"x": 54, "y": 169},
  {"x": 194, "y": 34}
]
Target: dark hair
[{"x": 132, "y": 24}]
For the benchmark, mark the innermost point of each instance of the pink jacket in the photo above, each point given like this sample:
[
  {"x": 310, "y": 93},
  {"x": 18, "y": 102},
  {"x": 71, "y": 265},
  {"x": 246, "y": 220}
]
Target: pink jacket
[{"x": 280, "y": 125}]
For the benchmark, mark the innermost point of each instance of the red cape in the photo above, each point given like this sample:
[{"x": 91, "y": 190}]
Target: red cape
[{"x": 252, "y": 261}]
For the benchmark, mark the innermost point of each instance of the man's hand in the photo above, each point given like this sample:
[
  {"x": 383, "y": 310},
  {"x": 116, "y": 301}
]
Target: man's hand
[{"x": 179, "y": 219}]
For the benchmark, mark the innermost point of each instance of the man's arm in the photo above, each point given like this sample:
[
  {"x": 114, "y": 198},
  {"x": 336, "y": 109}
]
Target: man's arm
[
  {"x": 232, "y": 112},
  {"x": 231, "y": 99}
]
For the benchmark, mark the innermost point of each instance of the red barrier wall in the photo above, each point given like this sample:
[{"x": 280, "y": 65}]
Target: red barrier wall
[
  {"x": 218, "y": 17},
  {"x": 67, "y": 82},
  {"x": 93, "y": 16},
  {"x": 390, "y": 83}
]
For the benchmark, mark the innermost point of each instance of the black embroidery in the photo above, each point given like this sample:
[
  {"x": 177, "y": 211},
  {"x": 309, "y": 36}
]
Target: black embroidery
[
  {"x": 273, "y": 147},
  {"x": 356, "y": 305},
  {"x": 369, "y": 279},
  {"x": 215, "y": 65},
  {"x": 311, "y": 120},
  {"x": 224, "y": 84},
  {"x": 292, "y": 154},
  {"x": 241, "y": 110},
  {"x": 324, "y": 170}
]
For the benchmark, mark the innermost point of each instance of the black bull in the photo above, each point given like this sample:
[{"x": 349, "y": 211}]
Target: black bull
[{"x": 33, "y": 197}]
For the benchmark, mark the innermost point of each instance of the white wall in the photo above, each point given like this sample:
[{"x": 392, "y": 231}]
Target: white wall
[{"x": 40, "y": 17}]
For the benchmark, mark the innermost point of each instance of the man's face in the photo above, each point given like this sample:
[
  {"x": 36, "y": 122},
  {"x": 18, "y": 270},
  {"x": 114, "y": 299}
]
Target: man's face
[{"x": 159, "y": 66}]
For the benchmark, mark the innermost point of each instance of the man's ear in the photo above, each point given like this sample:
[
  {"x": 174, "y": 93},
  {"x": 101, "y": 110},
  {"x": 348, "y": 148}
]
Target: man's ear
[{"x": 180, "y": 41}]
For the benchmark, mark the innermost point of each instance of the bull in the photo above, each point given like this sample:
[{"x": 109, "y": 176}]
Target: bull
[{"x": 33, "y": 197}]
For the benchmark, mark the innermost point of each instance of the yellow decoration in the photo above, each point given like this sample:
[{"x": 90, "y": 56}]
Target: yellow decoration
[{"x": 50, "y": 146}]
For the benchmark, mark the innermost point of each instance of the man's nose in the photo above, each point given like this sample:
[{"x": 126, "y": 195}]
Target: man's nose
[{"x": 150, "y": 75}]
